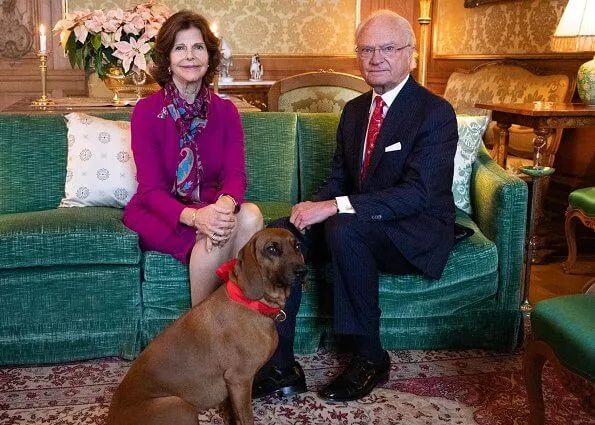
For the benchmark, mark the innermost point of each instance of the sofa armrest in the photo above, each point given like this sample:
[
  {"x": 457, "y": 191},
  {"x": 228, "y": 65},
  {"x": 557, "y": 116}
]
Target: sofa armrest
[{"x": 499, "y": 201}]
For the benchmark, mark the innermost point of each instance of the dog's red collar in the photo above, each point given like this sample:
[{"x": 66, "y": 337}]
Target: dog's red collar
[{"x": 236, "y": 294}]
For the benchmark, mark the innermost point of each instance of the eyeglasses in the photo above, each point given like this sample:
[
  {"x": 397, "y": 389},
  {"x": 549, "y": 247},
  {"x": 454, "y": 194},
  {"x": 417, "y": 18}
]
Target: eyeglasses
[{"x": 386, "y": 51}]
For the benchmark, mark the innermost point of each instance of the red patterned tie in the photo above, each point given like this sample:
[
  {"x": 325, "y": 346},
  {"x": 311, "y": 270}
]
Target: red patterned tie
[{"x": 373, "y": 130}]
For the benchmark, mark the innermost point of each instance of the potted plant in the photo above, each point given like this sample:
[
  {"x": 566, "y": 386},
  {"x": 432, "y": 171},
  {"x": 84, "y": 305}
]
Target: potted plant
[{"x": 116, "y": 44}]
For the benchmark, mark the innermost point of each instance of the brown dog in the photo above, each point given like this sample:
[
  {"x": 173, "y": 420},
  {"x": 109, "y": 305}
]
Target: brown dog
[{"x": 210, "y": 355}]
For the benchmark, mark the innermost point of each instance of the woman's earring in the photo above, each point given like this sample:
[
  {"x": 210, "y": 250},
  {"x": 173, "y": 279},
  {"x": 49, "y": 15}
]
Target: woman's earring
[{"x": 169, "y": 70}]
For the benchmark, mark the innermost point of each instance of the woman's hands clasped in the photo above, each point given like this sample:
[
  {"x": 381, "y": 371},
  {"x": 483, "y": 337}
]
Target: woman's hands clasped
[{"x": 217, "y": 221}]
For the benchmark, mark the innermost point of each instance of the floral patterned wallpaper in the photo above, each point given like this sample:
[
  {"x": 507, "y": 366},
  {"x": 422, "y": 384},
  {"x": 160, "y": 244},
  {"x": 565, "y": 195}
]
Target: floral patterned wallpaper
[
  {"x": 516, "y": 28},
  {"x": 324, "y": 27},
  {"x": 16, "y": 20}
]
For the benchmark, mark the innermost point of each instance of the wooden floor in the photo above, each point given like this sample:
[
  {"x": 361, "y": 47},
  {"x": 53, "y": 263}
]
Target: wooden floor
[{"x": 549, "y": 280}]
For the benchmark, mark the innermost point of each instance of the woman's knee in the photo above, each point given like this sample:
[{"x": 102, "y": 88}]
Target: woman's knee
[{"x": 250, "y": 217}]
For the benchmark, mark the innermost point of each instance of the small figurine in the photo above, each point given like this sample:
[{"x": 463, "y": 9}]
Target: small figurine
[
  {"x": 256, "y": 69},
  {"x": 226, "y": 62}
]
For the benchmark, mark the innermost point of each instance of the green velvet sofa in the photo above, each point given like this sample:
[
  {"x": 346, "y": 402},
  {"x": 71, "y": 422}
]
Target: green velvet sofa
[{"x": 75, "y": 285}]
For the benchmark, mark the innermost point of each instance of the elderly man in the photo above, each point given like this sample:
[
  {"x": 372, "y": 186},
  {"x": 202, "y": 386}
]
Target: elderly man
[{"x": 386, "y": 207}]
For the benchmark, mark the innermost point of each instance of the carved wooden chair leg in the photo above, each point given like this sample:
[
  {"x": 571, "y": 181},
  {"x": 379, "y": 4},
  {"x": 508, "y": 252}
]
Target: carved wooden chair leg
[
  {"x": 569, "y": 228},
  {"x": 533, "y": 361}
]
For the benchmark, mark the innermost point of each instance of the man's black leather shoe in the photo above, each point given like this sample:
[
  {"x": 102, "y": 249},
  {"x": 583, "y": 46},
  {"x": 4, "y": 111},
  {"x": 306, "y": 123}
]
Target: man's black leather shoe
[
  {"x": 358, "y": 380},
  {"x": 272, "y": 380}
]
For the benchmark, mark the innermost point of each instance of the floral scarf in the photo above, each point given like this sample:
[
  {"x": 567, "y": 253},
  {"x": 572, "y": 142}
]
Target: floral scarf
[{"x": 190, "y": 121}]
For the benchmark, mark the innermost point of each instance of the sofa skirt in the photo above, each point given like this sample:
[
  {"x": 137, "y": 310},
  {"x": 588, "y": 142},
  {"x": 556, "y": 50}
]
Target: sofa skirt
[{"x": 69, "y": 313}]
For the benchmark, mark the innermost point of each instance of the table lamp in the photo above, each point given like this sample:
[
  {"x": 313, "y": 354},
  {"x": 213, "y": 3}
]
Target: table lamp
[{"x": 576, "y": 33}]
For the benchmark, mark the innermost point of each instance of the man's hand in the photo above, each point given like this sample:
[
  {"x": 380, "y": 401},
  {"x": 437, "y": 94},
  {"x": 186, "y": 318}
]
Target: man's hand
[{"x": 305, "y": 214}]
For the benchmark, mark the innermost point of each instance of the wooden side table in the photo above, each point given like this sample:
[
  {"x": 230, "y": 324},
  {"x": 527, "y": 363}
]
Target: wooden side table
[{"x": 544, "y": 118}]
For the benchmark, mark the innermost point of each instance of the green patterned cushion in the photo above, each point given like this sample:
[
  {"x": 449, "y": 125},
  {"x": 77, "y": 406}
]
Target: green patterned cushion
[
  {"x": 67, "y": 236},
  {"x": 471, "y": 129},
  {"x": 271, "y": 163},
  {"x": 567, "y": 324},
  {"x": 584, "y": 200}
]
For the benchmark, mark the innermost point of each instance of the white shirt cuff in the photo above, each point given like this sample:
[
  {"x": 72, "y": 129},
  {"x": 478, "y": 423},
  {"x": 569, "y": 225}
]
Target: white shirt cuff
[{"x": 344, "y": 205}]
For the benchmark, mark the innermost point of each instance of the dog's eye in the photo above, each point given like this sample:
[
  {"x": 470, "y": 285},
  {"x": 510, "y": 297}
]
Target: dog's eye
[
  {"x": 273, "y": 250},
  {"x": 298, "y": 246}
]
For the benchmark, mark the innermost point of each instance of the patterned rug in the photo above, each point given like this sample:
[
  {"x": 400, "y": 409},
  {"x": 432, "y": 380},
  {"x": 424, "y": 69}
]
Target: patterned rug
[{"x": 425, "y": 387}]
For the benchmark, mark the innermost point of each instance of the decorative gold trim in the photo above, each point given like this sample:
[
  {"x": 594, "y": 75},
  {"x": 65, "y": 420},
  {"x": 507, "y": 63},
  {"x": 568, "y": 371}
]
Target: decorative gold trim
[
  {"x": 425, "y": 20},
  {"x": 358, "y": 12}
]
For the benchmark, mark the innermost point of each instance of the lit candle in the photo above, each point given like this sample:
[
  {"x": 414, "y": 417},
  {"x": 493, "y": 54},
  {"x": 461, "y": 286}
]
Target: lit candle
[
  {"x": 214, "y": 29},
  {"x": 42, "y": 38}
]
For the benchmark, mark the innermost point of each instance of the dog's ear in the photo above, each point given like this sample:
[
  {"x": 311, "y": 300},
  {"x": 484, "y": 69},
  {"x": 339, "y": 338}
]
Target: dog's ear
[{"x": 247, "y": 272}]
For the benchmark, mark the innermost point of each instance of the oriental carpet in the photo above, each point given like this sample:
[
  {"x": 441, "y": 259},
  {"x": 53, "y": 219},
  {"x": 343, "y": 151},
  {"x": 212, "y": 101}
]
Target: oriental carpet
[{"x": 425, "y": 387}]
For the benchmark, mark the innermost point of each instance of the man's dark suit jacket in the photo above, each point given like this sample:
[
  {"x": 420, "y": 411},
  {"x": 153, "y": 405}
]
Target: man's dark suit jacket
[{"x": 406, "y": 191}]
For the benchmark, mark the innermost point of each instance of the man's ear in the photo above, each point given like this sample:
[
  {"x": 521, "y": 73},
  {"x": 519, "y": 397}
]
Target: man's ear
[{"x": 247, "y": 273}]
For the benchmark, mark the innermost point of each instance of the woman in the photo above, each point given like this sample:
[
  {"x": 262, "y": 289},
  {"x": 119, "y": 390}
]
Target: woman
[{"x": 189, "y": 151}]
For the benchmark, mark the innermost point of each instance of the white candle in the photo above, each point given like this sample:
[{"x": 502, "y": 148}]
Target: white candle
[
  {"x": 214, "y": 29},
  {"x": 42, "y": 38}
]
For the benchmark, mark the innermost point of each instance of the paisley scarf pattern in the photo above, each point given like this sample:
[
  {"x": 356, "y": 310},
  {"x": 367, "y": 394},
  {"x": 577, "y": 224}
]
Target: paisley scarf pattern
[{"x": 190, "y": 119}]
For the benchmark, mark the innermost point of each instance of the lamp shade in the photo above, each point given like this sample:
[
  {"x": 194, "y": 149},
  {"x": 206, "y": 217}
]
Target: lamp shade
[
  {"x": 576, "y": 30},
  {"x": 576, "y": 33}
]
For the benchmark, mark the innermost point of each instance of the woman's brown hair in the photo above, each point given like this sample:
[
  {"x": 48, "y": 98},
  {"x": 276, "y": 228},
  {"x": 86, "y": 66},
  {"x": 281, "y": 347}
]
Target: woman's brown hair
[{"x": 166, "y": 37}]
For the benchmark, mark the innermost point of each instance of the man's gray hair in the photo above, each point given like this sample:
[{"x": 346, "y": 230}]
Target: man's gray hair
[{"x": 401, "y": 24}]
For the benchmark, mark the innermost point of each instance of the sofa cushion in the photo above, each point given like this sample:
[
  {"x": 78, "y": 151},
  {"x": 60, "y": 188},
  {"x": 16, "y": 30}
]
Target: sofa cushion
[
  {"x": 317, "y": 139},
  {"x": 469, "y": 278},
  {"x": 67, "y": 236},
  {"x": 270, "y": 135},
  {"x": 100, "y": 167}
]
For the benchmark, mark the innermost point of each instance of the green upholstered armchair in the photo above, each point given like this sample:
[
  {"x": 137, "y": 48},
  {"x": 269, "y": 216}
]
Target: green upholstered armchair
[
  {"x": 563, "y": 333},
  {"x": 581, "y": 205},
  {"x": 315, "y": 92}
]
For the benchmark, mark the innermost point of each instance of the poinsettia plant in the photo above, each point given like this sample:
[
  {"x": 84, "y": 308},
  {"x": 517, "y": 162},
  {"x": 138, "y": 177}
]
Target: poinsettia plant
[{"x": 96, "y": 40}]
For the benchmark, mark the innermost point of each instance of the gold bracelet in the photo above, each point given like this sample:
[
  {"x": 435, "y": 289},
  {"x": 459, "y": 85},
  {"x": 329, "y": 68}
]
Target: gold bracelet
[
  {"x": 235, "y": 203},
  {"x": 194, "y": 218}
]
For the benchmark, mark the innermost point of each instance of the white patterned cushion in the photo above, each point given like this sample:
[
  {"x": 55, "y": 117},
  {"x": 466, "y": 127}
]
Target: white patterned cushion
[
  {"x": 471, "y": 129},
  {"x": 100, "y": 170}
]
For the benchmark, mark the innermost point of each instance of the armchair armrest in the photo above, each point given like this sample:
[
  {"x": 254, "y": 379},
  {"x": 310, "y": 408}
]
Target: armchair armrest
[{"x": 499, "y": 201}]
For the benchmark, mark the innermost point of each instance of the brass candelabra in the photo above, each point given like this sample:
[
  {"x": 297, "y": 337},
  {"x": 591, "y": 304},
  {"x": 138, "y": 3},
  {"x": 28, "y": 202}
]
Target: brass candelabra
[{"x": 44, "y": 100}]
